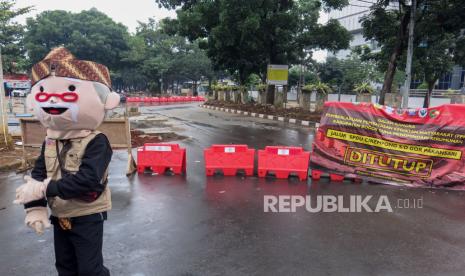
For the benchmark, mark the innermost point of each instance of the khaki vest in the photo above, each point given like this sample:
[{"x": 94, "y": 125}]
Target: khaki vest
[{"x": 71, "y": 161}]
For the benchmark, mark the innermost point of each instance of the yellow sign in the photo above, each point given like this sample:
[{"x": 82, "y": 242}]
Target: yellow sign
[
  {"x": 380, "y": 143},
  {"x": 381, "y": 161},
  {"x": 277, "y": 74}
]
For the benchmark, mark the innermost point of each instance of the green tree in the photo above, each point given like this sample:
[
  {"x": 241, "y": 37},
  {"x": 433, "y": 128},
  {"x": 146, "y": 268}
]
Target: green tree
[
  {"x": 439, "y": 42},
  {"x": 88, "y": 35},
  {"x": 243, "y": 36},
  {"x": 163, "y": 58},
  {"x": 388, "y": 26},
  {"x": 11, "y": 34},
  {"x": 438, "y": 29},
  {"x": 347, "y": 73},
  {"x": 295, "y": 73}
]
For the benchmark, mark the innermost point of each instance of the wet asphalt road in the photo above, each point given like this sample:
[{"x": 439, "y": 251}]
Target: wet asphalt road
[{"x": 196, "y": 225}]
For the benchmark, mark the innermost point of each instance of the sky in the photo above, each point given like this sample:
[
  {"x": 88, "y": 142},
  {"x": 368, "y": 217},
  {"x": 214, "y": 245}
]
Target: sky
[{"x": 122, "y": 11}]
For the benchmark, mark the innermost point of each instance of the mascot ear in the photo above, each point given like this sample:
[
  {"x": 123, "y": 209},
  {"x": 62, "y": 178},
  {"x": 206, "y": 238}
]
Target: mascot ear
[
  {"x": 112, "y": 100},
  {"x": 30, "y": 102}
]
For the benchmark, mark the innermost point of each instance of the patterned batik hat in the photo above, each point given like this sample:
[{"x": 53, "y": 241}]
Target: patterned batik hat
[{"x": 62, "y": 63}]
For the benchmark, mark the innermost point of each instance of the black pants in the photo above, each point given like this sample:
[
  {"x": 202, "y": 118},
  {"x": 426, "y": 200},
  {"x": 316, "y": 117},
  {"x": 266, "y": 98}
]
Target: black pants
[{"x": 78, "y": 251}]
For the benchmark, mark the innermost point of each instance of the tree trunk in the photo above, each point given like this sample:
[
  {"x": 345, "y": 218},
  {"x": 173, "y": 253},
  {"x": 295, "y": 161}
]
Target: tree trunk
[
  {"x": 209, "y": 92},
  {"x": 392, "y": 65},
  {"x": 194, "y": 92},
  {"x": 270, "y": 91},
  {"x": 427, "y": 101}
]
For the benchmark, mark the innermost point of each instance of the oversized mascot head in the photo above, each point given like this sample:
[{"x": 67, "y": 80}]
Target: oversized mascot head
[{"x": 70, "y": 96}]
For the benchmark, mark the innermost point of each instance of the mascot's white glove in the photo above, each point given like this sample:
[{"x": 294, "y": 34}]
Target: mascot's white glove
[
  {"x": 37, "y": 219},
  {"x": 32, "y": 190}
]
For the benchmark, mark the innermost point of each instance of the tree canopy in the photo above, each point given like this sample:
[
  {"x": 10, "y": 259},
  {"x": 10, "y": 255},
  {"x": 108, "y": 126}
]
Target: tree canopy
[
  {"x": 243, "y": 36},
  {"x": 88, "y": 35},
  {"x": 143, "y": 60},
  {"x": 438, "y": 44},
  {"x": 165, "y": 58},
  {"x": 11, "y": 35}
]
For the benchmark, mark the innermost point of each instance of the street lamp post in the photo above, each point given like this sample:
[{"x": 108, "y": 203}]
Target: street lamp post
[{"x": 408, "y": 67}]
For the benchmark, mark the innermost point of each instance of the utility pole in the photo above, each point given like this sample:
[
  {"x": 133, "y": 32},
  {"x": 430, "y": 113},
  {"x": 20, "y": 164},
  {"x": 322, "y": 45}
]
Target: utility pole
[
  {"x": 4, "y": 121},
  {"x": 408, "y": 67}
]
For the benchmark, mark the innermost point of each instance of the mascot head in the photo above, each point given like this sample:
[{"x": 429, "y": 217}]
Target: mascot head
[{"x": 70, "y": 96}]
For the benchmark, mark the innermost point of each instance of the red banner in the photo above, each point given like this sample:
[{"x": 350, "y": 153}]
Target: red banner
[{"x": 414, "y": 147}]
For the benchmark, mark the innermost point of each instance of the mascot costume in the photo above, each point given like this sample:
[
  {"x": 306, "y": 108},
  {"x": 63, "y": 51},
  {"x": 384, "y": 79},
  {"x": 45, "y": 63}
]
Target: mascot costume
[{"x": 70, "y": 97}]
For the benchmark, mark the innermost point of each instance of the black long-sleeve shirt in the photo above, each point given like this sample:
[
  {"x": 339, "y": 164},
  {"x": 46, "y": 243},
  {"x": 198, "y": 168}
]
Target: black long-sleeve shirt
[{"x": 88, "y": 179}]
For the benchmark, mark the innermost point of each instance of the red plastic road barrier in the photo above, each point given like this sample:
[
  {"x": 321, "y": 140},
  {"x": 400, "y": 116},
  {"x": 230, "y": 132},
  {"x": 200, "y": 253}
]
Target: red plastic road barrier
[
  {"x": 282, "y": 161},
  {"x": 163, "y": 99},
  {"x": 147, "y": 99},
  {"x": 229, "y": 159},
  {"x": 161, "y": 157},
  {"x": 154, "y": 99}
]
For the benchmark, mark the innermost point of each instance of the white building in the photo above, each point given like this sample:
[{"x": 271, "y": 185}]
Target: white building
[{"x": 349, "y": 17}]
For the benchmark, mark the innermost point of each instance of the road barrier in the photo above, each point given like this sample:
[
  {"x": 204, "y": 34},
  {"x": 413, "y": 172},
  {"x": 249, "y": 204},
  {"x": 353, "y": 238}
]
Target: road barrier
[
  {"x": 117, "y": 131},
  {"x": 282, "y": 162},
  {"x": 173, "y": 99},
  {"x": 161, "y": 158},
  {"x": 229, "y": 159}
]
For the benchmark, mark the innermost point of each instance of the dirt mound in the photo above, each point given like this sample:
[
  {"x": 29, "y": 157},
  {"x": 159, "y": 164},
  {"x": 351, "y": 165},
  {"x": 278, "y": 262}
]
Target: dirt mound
[{"x": 139, "y": 138}]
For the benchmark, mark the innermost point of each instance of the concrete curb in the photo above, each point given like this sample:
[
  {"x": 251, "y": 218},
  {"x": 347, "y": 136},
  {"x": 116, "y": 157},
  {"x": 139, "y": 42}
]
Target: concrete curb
[{"x": 262, "y": 116}]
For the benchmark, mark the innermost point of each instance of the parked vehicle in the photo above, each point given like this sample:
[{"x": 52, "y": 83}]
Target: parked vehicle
[{"x": 19, "y": 93}]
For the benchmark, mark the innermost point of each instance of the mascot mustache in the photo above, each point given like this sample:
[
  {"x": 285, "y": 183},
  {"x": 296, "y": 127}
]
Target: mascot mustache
[{"x": 57, "y": 109}]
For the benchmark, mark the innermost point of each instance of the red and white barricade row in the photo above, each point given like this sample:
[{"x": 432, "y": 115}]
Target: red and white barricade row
[
  {"x": 278, "y": 161},
  {"x": 173, "y": 99}
]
